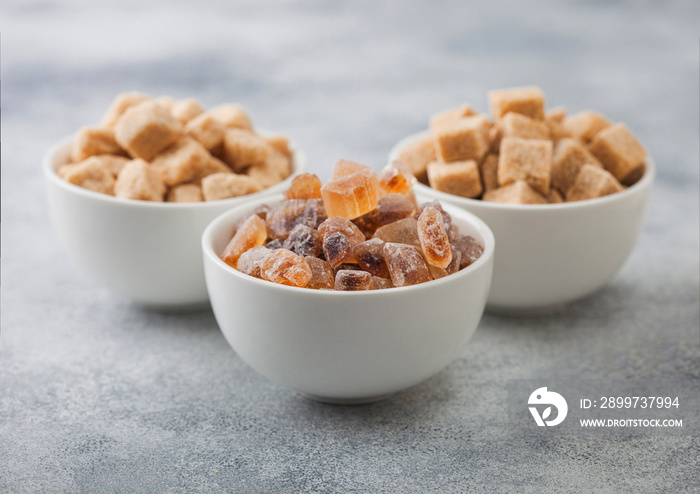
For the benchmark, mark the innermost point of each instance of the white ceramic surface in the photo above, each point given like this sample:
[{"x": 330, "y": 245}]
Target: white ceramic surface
[
  {"x": 346, "y": 347},
  {"x": 148, "y": 251},
  {"x": 551, "y": 254}
]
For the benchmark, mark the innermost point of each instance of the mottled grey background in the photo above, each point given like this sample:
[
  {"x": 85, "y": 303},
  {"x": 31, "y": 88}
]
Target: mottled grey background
[{"x": 98, "y": 395}]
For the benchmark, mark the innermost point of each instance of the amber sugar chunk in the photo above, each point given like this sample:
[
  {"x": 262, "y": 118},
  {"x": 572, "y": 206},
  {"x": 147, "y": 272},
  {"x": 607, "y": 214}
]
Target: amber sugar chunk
[
  {"x": 592, "y": 182},
  {"x": 351, "y": 281},
  {"x": 144, "y": 130},
  {"x": 396, "y": 178},
  {"x": 304, "y": 186},
  {"x": 283, "y": 217},
  {"x": 346, "y": 227},
  {"x": 346, "y": 167},
  {"x": 303, "y": 241},
  {"x": 352, "y": 195},
  {"x": 322, "y": 276},
  {"x": 370, "y": 257},
  {"x": 91, "y": 141},
  {"x": 519, "y": 192},
  {"x": 620, "y": 152},
  {"x": 569, "y": 156},
  {"x": 406, "y": 264},
  {"x": 251, "y": 260},
  {"x": 391, "y": 208},
  {"x": 585, "y": 125},
  {"x": 251, "y": 233},
  {"x": 381, "y": 283},
  {"x": 528, "y": 101},
  {"x": 469, "y": 251},
  {"x": 433, "y": 237},
  {"x": 446, "y": 217},
  {"x": 461, "y": 178},
  {"x": 286, "y": 268},
  {"x": 417, "y": 155},
  {"x": 404, "y": 231},
  {"x": 529, "y": 160},
  {"x": 464, "y": 139},
  {"x": 338, "y": 249},
  {"x": 137, "y": 180}
]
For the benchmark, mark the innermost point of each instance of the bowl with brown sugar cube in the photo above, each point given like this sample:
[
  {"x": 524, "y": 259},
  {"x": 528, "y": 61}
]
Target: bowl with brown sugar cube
[
  {"x": 130, "y": 198},
  {"x": 565, "y": 195},
  {"x": 348, "y": 293}
]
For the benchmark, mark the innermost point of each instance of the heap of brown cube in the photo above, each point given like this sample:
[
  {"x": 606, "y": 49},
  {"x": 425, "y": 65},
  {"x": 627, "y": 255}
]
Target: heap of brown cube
[
  {"x": 524, "y": 154},
  {"x": 360, "y": 231},
  {"x": 175, "y": 151}
]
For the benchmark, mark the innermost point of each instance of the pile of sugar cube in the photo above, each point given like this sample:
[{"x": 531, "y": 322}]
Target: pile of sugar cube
[
  {"x": 359, "y": 231},
  {"x": 525, "y": 155},
  {"x": 176, "y": 151}
]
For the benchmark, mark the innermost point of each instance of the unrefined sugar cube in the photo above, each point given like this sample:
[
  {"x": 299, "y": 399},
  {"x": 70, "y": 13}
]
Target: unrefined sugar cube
[
  {"x": 406, "y": 264},
  {"x": 120, "y": 104},
  {"x": 207, "y": 130},
  {"x": 243, "y": 149},
  {"x": 337, "y": 249},
  {"x": 518, "y": 125},
  {"x": 90, "y": 141},
  {"x": 464, "y": 139},
  {"x": 417, "y": 155},
  {"x": 433, "y": 238},
  {"x": 92, "y": 174},
  {"x": 404, "y": 231},
  {"x": 518, "y": 192},
  {"x": 447, "y": 117},
  {"x": 528, "y": 101},
  {"x": 185, "y": 193},
  {"x": 186, "y": 109},
  {"x": 166, "y": 102},
  {"x": 569, "y": 156},
  {"x": 488, "y": 169},
  {"x": 251, "y": 260},
  {"x": 592, "y": 182},
  {"x": 370, "y": 257},
  {"x": 555, "y": 197},
  {"x": 557, "y": 114},
  {"x": 460, "y": 178},
  {"x": 396, "y": 178},
  {"x": 251, "y": 233},
  {"x": 469, "y": 249},
  {"x": 144, "y": 130},
  {"x": 351, "y": 281},
  {"x": 303, "y": 241},
  {"x": 281, "y": 144},
  {"x": 390, "y": 208},
  {"x": 273, "y": 170},
  {"x": 585, "y": 125},
  {"x": 322, "y": 276},
  {"x": 304, "y": 186},
  {"x": 620, "y": 153},
  {"x": 342, "y": 225},
  {"x": 182, "y": 161},
  {"x": 211, "y": 166},
  {"x": 529, "y": 160},
  {"x": 352, "y": 195},
  {"x": 225, "y": 185},
  {"x": 112, "y": 162},
  {"x": 379, "y": 283},
  {"x": 285, "y": 267},
  {"x": 137, "y": 180},
  {"x": 346, "y": 167},
  {"x": 231, "y": 115}
]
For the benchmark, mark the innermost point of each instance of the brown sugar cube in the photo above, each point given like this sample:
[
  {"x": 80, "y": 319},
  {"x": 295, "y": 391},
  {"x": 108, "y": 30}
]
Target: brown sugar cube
[
  {"x": 225, "y": 185},
  {"x": 555, "y": 197},
  {"x": 113, "y": 163},
  {"x": 568, "y": 158},
  {"x": 120, "y": 104},
  {"x": 620, "y": 152},
  {"x": 585, "y": 125},
  {"x": 185, "y": 193},
  {"x": 166, "y": 102},
  {"x": 494, "y": 139},
  {"x": 346, "y": 167},
  {"x": 181, "y": 161},
  {"x": 211, "y": 166},
  {"x": 592, "y": 182},
  {"x": 526, "y": 159},
  {"x": 528, "y": 101},
  {"x": 92, "y": 174},
  {"x": 243, "y": 149},
  {"x": 488, "y": 170},
  {"x": 557, "y": 131},
  {"x": 138, "y": 180},
  {"x": 446, "y": 117},
  {"x": 518, "y": 192},
  {"x": 460, "y": 178},
  {"x": 186, "y": 109},
  {"x": 281, "y": 144},
  {"x": 464, "y": 139},
  {"x": 208, "y": 131},
  {"x": 273, "y": 170},
  {"x": 231, "y": 116},
  {"x": 417, "y": 155},
  {"x": 91, "y": 141},
  {"x": 557, "y": 114},
  {"x": 517, "y": 125},
  {"x": 144, "y": 130}
]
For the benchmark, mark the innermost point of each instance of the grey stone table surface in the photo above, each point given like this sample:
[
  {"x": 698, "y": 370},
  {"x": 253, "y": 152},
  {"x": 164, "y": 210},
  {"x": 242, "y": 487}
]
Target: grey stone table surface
[{"x": 100, "y": 395}]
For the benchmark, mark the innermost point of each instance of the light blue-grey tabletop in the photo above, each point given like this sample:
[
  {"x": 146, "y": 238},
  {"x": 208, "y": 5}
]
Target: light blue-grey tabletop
[{"x": 99, "y": 395}]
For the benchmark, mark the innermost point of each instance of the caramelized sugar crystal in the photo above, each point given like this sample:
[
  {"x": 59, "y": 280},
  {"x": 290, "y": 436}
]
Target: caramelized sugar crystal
[
  {"x": 396, "y": 178},
  {"x": 322, "y": 275},
  {"x": 433, "y": 237},
  {"x": 391, "y": 208},
  {"x": 404, "y": 231},
  {"x": 469, "y": 250},
  {"x": 337, "y": 249},
  {"x": 445, "y": 215},
  {"x": 351, "y": 281},
  {"x": 251, "y": 233},
  {"x": 282, "y": 218},
  {"x": 346, "y": 227},
  {"x": 304, "y": 186},
  {"x": 352, "y": 195},
  {"x": 406, "y": 264},
  {"x": 303, "y": 241},
  {"x": 286, "y": 268},
  {"x": 370, "y": 257},
  {"x": 381, "y": 283},
  {"x": 250, "y": 261},
  {"x": 347, "y": 167}
]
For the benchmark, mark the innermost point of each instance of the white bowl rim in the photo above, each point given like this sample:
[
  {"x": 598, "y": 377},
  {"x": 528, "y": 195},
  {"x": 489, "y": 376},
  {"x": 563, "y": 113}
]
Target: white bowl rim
[
  {"x": 487, "y": 254},
  {"x": 644, "y": 182},
  {"x": 300, "y": 163}
]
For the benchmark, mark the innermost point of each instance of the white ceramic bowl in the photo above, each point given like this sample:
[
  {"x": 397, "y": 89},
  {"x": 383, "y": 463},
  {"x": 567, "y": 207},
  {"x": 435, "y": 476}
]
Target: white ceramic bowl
[
  {"x": 550, "y": 254},
  {"x": 346, "y": 347},
  {"x": 148, "y": 251}
]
